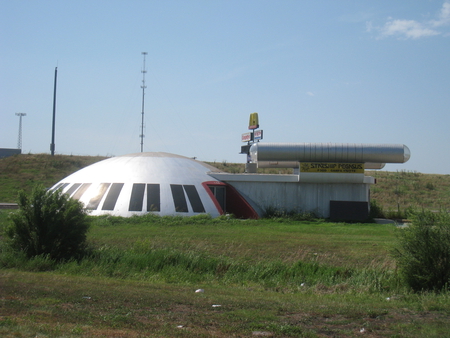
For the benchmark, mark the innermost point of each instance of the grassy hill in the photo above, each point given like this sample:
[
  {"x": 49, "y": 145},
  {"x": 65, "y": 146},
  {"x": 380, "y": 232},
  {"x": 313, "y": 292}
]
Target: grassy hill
[
  {"x": 394, "y": 191},
  {"x": 22, "y": 172},
  {"x": 403, "y": 189}
]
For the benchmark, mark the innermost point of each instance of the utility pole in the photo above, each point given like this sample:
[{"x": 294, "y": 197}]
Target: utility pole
[
  {"x": 19, "y": 141},
  {"x": 52, "y": 145},
  {"x": 143, "y": 94}
]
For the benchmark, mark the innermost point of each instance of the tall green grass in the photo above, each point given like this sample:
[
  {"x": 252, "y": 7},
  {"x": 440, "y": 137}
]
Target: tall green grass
[
  {"x": 171, "y": 265},
  {"x": 274, "y": 276},
  {"x": 277, "y": 253}
]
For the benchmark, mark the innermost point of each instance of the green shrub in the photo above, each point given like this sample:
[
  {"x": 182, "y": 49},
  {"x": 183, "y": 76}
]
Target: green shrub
[
  {"x": 280, "y": 214},
  {"x": 48, "y": 224},
  {"x": 430, "y": 186},
  {"x": 376, "y": 210},
  {"x": 423, "y": 253}
]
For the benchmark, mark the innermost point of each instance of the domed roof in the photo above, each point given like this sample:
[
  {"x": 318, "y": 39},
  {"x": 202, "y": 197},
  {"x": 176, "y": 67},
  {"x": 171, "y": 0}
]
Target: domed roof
[{"x": 162, "y": 183}]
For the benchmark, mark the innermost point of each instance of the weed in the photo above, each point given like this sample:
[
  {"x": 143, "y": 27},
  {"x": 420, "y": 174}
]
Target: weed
[
  {"x": 423, "y": 252},
  {"x": 275, "y": 213},
  {"x": 376, "y": 210}
]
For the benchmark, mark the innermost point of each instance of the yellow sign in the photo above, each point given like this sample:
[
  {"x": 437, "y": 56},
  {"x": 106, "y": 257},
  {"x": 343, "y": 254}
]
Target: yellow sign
[
  {"x": 322, "y": 167},
  {"x": 253, "y": 123}
]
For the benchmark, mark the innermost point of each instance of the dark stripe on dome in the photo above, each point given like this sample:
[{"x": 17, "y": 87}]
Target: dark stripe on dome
[
  {"x": 81, "y": 191},
  {"x": 95, "y": 201},
  {"x": 57, "y": 187},
  {"x": 113, "y": 195},
  {"x": 63, "y": 186},
  {"x": 60, "y": 186},
  {"x": 194, "y": 198},
  {"x": 178, "y": 198},
  {"x": 137, "y": 197},
  {"x": 72, "y": 189},
  {"x": 153, "y": 197}
]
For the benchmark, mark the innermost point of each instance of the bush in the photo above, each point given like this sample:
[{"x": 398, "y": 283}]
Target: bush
[
  {"x": 376, "y": 210},
  {"x": 423, "y": 253},
  {"x": 48, "y": 224},
  {"x": 288, "y": 215}
]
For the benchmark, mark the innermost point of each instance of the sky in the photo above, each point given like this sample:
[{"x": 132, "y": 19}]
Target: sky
[{"x": 348, "y": 71}]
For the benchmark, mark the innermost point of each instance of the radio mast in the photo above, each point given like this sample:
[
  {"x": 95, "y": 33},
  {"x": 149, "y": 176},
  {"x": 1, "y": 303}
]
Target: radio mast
[
  {"x": 19, "y": 141},
  {"x": 143, "y": 95}
]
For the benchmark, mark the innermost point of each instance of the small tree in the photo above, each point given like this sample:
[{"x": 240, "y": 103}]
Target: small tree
[
  {"x": 49, "y": 223},
  {"x": 423, "y": 253}
]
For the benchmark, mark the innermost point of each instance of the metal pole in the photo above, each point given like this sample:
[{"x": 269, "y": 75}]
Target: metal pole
[
  {"x": 52, "y": 145},
  {"x": 143, "y": 94}
]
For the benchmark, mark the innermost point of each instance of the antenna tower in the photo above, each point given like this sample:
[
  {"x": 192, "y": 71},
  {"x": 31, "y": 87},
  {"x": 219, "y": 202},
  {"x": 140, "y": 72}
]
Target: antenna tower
[
  {"x": 143, "y": 95},
  {"x": 19, "y": 141}
]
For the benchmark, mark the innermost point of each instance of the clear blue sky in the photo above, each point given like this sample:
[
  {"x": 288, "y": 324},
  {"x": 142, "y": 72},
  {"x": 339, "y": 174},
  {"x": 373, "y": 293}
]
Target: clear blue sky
[{"x": 315, "y": 71}]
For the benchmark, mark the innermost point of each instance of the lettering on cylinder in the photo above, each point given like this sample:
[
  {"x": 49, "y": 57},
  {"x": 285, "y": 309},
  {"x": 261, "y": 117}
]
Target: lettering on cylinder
[{"x": 320, "y": 167}]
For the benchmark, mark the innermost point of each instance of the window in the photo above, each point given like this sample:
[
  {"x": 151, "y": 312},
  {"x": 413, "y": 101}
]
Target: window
[
  {"x": 219, "y": 194},
  {"x": 72, "y": 189},
  {"x": 81, "y": 191},
  {"x": 113, "y": 195},
  {"x": 153, "y": 197},
  {"x": 137, "y": 197},
  {"x": 194, "y": 198},
  {"x": 95, "y": 201},
  {"x": 57, "y": 187},
  {"x": 178, "y": 198}
]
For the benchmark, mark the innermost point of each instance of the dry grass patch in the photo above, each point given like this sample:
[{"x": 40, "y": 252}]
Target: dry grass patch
[{"x": 49, "y": 305}]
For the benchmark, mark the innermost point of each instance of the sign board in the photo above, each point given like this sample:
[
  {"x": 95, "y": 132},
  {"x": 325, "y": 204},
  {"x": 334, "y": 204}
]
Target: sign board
[
  {"x": 322, "y": 167},
  {"x": 245, "y": 149},
  {"x": 253, "y": 123},
  {"x": 258, "y": 135},
  {"x": 246, "y": 137}
]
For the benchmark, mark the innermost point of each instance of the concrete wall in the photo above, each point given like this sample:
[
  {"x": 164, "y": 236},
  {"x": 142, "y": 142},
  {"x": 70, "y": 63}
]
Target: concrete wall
[{"x": 300, "y": 197}]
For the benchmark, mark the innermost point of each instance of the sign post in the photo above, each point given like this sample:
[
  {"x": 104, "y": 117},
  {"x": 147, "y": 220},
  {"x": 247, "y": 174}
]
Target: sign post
[{"x": 251, "y": 137}]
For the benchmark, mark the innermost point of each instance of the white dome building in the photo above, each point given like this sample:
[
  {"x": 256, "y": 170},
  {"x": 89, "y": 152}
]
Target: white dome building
[
  {"x": 328, "y": 180},
  {"x": 161, "y": 183}
]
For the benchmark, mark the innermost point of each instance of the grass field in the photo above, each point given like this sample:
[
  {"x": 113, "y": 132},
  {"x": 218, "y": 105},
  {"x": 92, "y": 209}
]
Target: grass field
[
  {"x": 269, "y": 277},
  {"x": 55, "y": 305},
  {"x": 265, "y": 277},
  {"x": 329, "y": 241}
]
